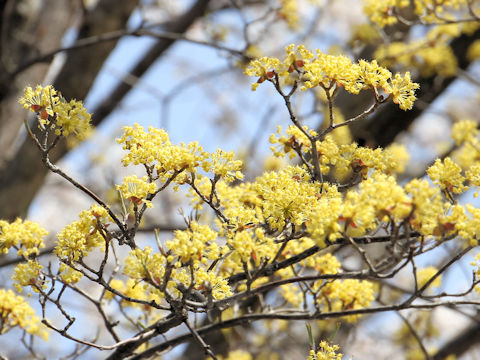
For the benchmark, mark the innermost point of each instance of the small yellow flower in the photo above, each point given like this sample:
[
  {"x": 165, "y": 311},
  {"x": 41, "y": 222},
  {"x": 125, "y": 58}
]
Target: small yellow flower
[
  {"x": 15, "y": 311},
  {"x": 137, "y": 190},
  {"x": 403, "y": 91},
  {"x": 464, "y": 131},
  {"x": 448, "y": 175}
]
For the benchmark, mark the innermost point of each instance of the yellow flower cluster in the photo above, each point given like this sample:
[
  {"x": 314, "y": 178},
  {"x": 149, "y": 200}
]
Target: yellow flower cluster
[
  {"x": 65, "y": 117},
  {"x": 15, "y": 311},
  {"x": 464, "y": 131},
  {"x": 25, "y": 236},
  {"x": 331, "y": 71},
  {"x": 249, "y": 247},
  {"x": 196, "y": 247},
  {"x": 154, "y": 149},
  {"x": 427, "y": 203},
  {"x": 197, "y": 244},
  {"x": 236, "y": 355},
  {"x": 427, "y": 56},
  {"x": 287, "y": 197},
  {"x": 337, "y": 295},
  {"x": 383, "y": 12},
  {"x": 69, "y": 275},
  {"x": 77, "y": 239},
  {"x": 288, "y": 11},
  {"x": 325, "y": 352},
  {"x": 136, "y": 190},
  {"x": 28, "y": 274},
  {"x": 222, "y": 164},
  {"x": 447, "y": 174},
  {"x": 145, "y": 265},
  {"x": 379, "y": 199},
  {"x": 342, "y": 157},
  {"x": 348, "y": 294},
  {"x": 324, "y": 223}
]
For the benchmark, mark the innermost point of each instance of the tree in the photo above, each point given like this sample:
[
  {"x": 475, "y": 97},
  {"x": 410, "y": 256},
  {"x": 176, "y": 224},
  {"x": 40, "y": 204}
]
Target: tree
[{"x": 333, "y": 234}]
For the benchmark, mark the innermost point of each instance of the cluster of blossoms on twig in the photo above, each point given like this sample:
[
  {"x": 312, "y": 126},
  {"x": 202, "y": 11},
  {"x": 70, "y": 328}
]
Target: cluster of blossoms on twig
[
  {"x": 331, "y": 72},
  {"x": 54, "y": 112},
  {"x": 389, "y": 12}
]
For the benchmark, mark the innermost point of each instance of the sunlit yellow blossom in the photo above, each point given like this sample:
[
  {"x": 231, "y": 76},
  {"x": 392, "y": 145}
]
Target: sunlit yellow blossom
[
  {"x": 439, "y": 59},
  {"x": 324, "y": 222},
  {"x": 403, "y": 91},
  {"x": 221, "y": 163},
  {"x": 288, "y": 196},
  {"x": 448, "y": 175},
  {"x": 468, "y": 226},
  {"x": 427, "y": 205},
  {"x": 69, "y": 275},
  {"x": 65, "y": 117},
  {"x": 372, "y": 75},
  {"x": 295, "y": 139},
  {"x": 289, "y": 12},
  {"x": 362, "y": 159},
  {"x": 28, "y": 274},
  {"x": 153, "y": 148},
  {"x": 144, "y": 264},
  {"x": 464, "y": 131},
  {"x": 80, "y": 237},
  {"x": 348, "y": 294},
  {"x": 326, "y": 264},
  {"x": 137, "y": 190},
  {"x": 381, "y": 12},
  {"x": 428, "y": 56},
  {"x": 39, "y": 100},
  {"x": 325, "y": 352},
  {"x": 207, "y": 280},
  {"x": 468, "y": 154},
  {"x": 264, "y": 68},
  {"x": 327, "y": 70},
  {"x": 15, "y": 311},
  {"x": 397, "y": 156},
  {"x": 195, "y": 243},
  {"x": 26, "y": 236},
  {"x": 379, "y": 199},
  {"x": 72, "y": 118},
  {"x": 332, "y": 71},
  {"x": 249, "y": 246}
]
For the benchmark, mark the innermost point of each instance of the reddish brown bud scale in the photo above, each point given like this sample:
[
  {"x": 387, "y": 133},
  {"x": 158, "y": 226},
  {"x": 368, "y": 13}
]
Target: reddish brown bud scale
[
  {"x": 44, "y": 114},
  {"x": 270, "y": 74},
  {"x": 300, "y": 63},
  {"x": 135, "y": 200}
]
